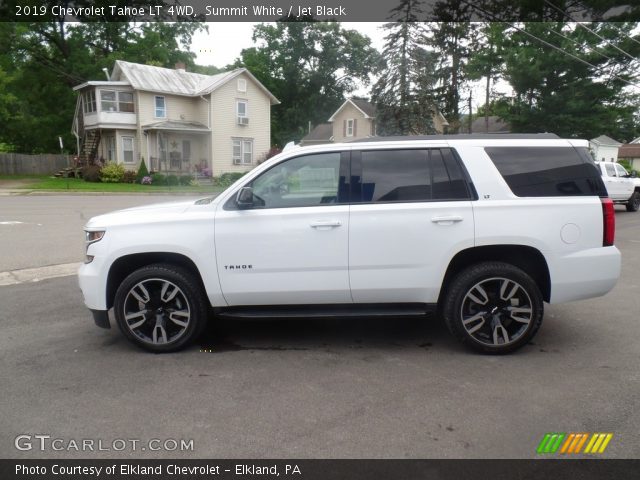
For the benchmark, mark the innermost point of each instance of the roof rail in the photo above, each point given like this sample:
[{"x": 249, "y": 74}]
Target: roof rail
[{"x": 461, "y": 136}]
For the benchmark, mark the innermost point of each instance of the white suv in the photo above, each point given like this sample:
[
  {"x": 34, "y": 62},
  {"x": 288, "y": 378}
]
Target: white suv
[{"x": 482, "y": 229}]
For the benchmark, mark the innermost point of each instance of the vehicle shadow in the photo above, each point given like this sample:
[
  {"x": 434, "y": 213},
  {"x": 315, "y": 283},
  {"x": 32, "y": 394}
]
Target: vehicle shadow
[{"x": 321, "y": 334}]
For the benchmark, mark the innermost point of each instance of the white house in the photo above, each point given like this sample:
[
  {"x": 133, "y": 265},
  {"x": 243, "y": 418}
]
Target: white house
[
  {"x": 178, "y": 121},
  {"x": 604, "y": 149}
]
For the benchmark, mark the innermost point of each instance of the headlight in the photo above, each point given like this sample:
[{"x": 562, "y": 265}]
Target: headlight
[
  {"x": 94, "y": 236},
  {"x": 89, "y": 238}
]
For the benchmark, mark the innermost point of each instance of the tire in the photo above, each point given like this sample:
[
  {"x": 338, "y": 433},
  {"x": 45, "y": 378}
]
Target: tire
[
  {"x": 512, "y": 315},
  {"x": 161, "y": 308},
  {"x": 634, "y": 202}
]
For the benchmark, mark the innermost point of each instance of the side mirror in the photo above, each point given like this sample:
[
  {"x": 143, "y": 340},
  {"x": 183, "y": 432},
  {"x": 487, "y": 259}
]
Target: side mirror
[
  {"x": 244, "y": 197},
  {"x": 633, "y": 174}
]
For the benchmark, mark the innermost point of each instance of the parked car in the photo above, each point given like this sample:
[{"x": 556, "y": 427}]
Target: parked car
[
  {"x": 482, "y": 229},
  {"x": 622, "y": 187}
]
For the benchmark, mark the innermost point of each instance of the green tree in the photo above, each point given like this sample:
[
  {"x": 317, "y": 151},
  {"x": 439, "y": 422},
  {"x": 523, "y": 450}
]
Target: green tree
[
  {"x": 46, "y": 59},
  {"x": 487, "y": 60},
  {"x": 557, "y": 93},
  {"x": 310, "y": 67},
  {"x": 453, "y": 38},
  {"x": 403, "y": 92}
]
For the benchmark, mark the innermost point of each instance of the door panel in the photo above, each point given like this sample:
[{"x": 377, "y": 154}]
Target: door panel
[
  {"x": 283, "y": 255},
  {"x": 415, "y": 214},
  {"x": 292, "y": 246},
  {"x": 399, "y": 252}
]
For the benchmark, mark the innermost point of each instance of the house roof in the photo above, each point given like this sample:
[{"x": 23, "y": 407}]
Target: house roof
[
  {"x": 178, "y": 82},
  {"x": 367, "y": 109},
  {"x": 629, "y": 151},
  {"x": 104, "y": 83},
  {"x": 496, "y": 125},
  {"x": 320, "y": 133},
  {"x": 176, "y": 125},
  {"x": 604, "y": 140}
]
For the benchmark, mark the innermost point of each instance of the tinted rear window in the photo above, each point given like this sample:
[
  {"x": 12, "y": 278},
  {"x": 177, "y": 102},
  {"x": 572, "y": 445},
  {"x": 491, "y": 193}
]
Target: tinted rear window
[
  {"x": 547, "y": 171},
  {"x": 412, "y": 175}
]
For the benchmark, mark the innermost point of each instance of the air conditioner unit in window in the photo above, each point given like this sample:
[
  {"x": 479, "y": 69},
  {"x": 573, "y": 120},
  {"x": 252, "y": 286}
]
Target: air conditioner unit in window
[{"x": 243, "y": 120}]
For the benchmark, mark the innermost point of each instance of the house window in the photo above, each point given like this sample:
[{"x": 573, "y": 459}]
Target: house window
[
  {"x": 241, "y": 108},
  {"x": 89, "y": 101},
  {"x": 349, "y": 128},
  {"x": 125, "y": 102},
  {"x": 161, "y": 108},
  {"x": 108, "y": 101},
  {"x": 111, "y": 149},
  {"x": 242, "y": 85},
  {"x": 127, "y": 149},
  {"x": 186, "y": 150},
  {"x": 242, "y": 151},
  {"x": 112, "y": 101}
]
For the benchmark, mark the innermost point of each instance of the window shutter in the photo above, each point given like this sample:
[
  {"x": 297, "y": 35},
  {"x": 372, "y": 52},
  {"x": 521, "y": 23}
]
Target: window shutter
[
  {"x": 355, "y": 123},
  {"x": 344, "y": 128}
]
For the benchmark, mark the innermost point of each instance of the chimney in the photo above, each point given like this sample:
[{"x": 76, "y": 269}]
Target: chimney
[{"x": 181, "y": 67}]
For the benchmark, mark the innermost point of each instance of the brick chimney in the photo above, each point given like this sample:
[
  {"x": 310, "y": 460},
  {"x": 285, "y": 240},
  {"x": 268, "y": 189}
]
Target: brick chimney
[{"x": 181, "y": 67}]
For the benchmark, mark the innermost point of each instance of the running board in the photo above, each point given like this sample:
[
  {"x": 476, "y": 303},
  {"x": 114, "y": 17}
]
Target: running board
[{"x": 327, "y": 311}]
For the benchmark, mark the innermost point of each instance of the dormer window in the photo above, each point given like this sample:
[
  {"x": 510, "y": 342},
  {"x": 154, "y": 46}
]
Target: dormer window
[{"x": 242, "y": 85}]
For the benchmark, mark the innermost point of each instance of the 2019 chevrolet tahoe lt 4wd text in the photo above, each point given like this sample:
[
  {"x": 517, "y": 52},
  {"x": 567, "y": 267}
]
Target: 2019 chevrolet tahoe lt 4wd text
[{"x": 484, "y": 229}]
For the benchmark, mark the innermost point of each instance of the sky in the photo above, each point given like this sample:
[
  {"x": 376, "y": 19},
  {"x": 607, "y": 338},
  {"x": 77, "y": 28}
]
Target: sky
[{"x": 225, "y": 40}]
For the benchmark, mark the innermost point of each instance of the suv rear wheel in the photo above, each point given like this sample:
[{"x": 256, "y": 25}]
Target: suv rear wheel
[
  {"x": 634, "y": 202},
  {"x": 160, "y": 308},
  {"x": 493, "y": 307}
]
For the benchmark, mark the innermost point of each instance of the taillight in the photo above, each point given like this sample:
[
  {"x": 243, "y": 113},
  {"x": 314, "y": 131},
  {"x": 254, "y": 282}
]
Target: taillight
[{"x": 608, "y": 222}]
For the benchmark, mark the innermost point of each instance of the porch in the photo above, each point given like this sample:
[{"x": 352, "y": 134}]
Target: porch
[{"x": 177, "y": 147}]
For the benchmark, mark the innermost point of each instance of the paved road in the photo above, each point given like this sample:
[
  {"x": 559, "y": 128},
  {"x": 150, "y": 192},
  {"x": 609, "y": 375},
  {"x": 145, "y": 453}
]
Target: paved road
[
  {"x": 322, "y": 388},
  {"x": 49, "y": 231}
]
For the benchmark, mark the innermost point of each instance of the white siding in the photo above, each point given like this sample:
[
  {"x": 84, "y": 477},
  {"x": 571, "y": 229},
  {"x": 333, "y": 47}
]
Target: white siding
[
  {"x": 225, "y": 127},
  {"x": 363, "y": 125}
]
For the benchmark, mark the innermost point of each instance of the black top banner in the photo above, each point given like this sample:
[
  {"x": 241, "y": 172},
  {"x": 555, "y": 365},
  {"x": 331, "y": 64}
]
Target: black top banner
[{"x": 309, "y": 10}]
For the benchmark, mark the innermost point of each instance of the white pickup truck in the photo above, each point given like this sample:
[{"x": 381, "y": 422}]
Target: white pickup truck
[{"x": 623, "y": 187}]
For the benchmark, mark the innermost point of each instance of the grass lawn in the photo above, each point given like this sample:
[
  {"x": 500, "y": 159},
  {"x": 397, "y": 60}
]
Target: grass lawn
[{"x": 46, "y": 183}]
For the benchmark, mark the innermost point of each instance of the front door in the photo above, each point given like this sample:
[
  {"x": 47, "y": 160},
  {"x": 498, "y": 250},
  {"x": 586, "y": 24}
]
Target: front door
[
  {"x": 413, "y": 213},
  {"x": 291, "y": 247}
]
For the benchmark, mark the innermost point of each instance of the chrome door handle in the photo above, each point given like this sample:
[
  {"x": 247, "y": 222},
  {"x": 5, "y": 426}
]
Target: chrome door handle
[
  {"x": 447, "y": 219},
  {"x": 326, "y": 225}
]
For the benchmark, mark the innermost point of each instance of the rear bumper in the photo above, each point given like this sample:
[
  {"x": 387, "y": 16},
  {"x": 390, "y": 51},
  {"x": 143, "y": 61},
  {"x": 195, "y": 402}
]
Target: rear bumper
[{"x": 584, "y": 274}]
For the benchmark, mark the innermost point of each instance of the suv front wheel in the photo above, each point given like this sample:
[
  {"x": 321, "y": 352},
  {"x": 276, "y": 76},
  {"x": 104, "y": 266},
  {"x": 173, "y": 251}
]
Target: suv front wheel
[
  {"x": 493, "y": 307},
  {"x": 160, "y": 308},
  {"x": 634, "y": 202}
]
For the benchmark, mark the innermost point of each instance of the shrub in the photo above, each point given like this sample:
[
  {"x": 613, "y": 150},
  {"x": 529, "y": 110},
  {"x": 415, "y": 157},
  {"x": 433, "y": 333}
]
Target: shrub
[
  {"x": 205, "y": 172},
  {"x": 129, "y": 177},
  {"x": 228, "y": 178},
  {"x": 172, "y": 180},
  {"x": 142, "y": 171},
  {"x": 185, "y": 180},
  {"x": 112, "y": 173},
  {"x": 158, "y": 179},
  {"x": 91, "y": 173},
  {"x": 146, "y": 180}
]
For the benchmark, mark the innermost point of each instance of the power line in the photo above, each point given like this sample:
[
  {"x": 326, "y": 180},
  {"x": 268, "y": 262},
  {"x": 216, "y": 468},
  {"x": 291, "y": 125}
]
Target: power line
[
  {"x": 549, "y": 44},
  {"x": 566, "y": 14}
]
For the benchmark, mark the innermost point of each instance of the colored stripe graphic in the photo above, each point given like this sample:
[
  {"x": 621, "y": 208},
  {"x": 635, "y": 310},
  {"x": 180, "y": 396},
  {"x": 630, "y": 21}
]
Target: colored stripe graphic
[
  {"x": 598, "y": 443},
  {"x": 550, "y": 442},
  {"x": 572, "y": 443}
]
